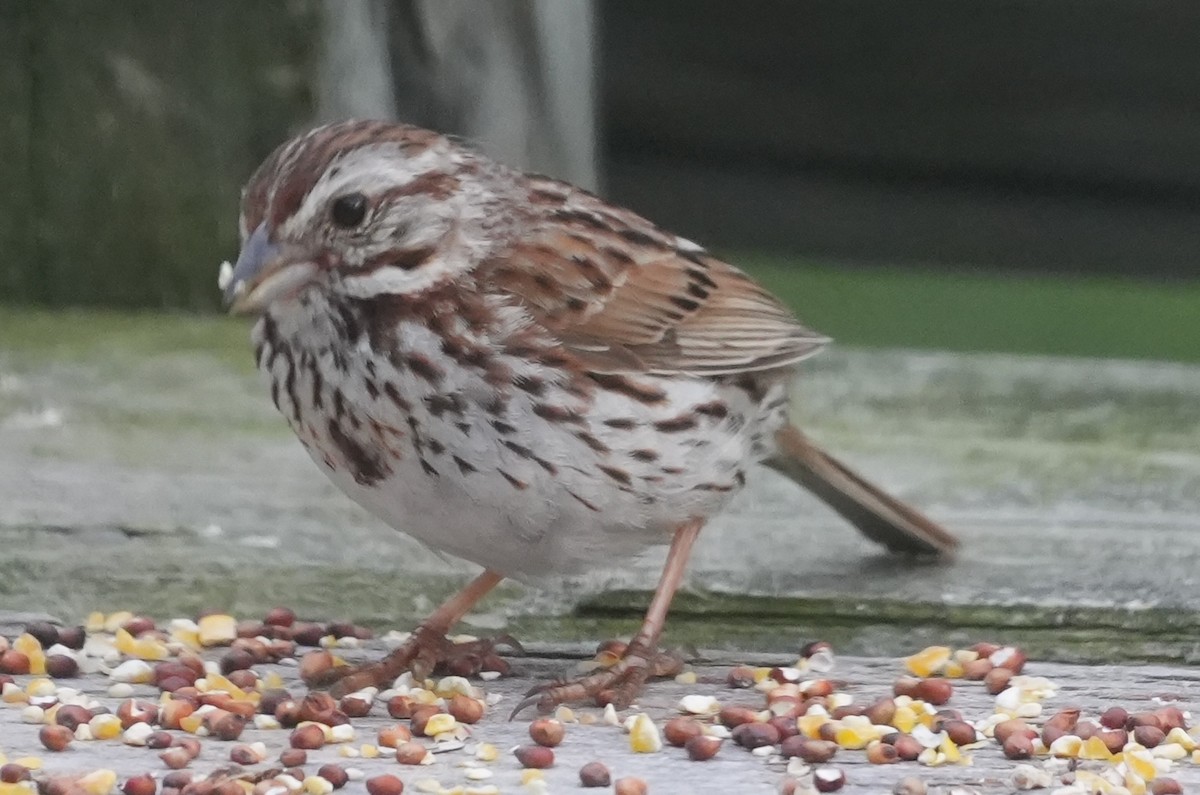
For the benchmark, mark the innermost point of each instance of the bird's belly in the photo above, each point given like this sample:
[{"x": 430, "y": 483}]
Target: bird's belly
[{"x": 537, "y": 475}]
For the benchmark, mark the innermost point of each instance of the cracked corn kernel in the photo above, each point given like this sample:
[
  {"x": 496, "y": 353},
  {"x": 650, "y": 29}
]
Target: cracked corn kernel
[
  {"x": 810, "y": 725},
  {"x": 486, "y": 752},
  {"x": 1139, "y": 761},
  {"x": 1094, "y": 748},
  {"x": 106, "y": 727},
  {"x": 315, "y": 785},
  {"x": 905, "y": 718},
  {"x": 928, "y": 661},
  {"x": 142, "y": 648},
  {"x": 1067, "y": 747},
  {"x": 439, "y": 724},
  {"x": 217, "y": 629},
  {"x": 855, "y": 737},
  {"x": 1181, "y": 738},
  {"x": 644, "y": 737},
  {"x": 531, "y": 774},
  {"x": 98, "y": 782},
  {"x": 369, "y": 751}
]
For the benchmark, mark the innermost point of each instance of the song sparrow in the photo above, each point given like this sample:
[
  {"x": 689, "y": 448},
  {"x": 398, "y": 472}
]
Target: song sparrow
[{"x": 518, "y": 373}]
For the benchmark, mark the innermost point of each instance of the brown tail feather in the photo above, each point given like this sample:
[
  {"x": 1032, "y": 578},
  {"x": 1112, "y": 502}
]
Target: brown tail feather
[{"x": 880, "y": 517}]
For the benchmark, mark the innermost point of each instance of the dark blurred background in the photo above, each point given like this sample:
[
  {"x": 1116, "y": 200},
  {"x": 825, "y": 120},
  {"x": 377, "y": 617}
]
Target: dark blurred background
[{"x": 1000, "y": 174}]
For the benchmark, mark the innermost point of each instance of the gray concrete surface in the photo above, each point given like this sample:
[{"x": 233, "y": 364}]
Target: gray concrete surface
[{"x": 141, "y": 465}]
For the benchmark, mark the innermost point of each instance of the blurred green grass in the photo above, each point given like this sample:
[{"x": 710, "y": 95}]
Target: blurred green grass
[
  {"x": 856, "y": 305},
  {"x": 966, "y": 311}
]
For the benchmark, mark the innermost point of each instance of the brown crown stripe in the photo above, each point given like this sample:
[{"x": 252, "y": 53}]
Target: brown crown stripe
[
  {"x": 684, "y": 422},
  {"x": 557, "y": 413}
]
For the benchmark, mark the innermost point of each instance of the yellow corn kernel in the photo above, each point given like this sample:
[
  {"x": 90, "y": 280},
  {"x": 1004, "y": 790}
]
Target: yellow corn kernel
[
  {"x": 531, "y": 774},
  {"x": 217, "y": 629},
  {"x": 114, "y": 621},
  {"x": 19, "y": 788},
  {"x": 810, "y": 725},
  {"x": 105, "y": 727},
  {"x": 369, "y": 751},
  {"x": 854, "y": 738},
  {"x": 95, "y": 622},
  {"x": 439, "y": 724},
  {"x": 953, "y": 670},
  {"x": 486, "y": 752},
  {"x": 98, "y": 782},
  {"x": 28, "y": 762},
  {"x": 928, "y": 661},
  {"x": 40, "y": 687},
  {"x": 1180, "y": 737},
  {"x": 191, "y": 723},
  {"x": 1066, "y": 747},
  {"x": 29, "y": 646},
  {"x": 1141, "y": 762},
  {"x": 643, "y": 735},
  {"x": 1094, "y": 748},
  {"x": 905, "y": 719},
  {"x": 950, "y": 751}
]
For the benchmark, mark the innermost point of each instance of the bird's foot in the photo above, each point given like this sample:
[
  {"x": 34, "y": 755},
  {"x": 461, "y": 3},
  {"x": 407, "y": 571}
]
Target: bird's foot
[
  {"x": 426, "y": 652},
  {"x": 618, "y": 683}
]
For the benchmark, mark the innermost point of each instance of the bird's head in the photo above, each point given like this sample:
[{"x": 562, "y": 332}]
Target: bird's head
[{"x": 362, "y": 209}]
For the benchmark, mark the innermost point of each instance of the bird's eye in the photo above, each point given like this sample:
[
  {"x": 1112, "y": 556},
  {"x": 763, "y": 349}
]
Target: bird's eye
[{"x": 348, "y": 211}]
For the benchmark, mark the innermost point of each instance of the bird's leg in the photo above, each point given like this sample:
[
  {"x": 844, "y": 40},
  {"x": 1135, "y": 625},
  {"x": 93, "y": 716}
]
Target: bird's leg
[
  {"x": 425, "y": 650},
  {"x": 620, "y": 684}
]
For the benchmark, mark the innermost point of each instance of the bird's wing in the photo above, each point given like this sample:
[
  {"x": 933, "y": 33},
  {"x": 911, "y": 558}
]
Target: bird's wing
[{"x": 625, "y": 296}]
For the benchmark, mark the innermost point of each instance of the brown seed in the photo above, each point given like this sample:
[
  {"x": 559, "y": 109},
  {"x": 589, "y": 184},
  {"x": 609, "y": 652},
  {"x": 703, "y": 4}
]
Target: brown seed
[
  {"x": 701, "y": 748},
  {"x": 465, "y": 709},
  {"x": 308, "y": 736},
  {"x": 287, "y": 712},
  {"x": 386, "y": 784},
  {"x": 131, "y": 711},
  {"x": 808, "y": 749},
  {"x": 189, "y": 744},
  {"x": 881, "y": 753},
  {"x": 1166, "y": 786},
  {"x": 739, "y": 677},
  {"x": 817, "y": 688},
  {"x": 14, "y": 662},
  {"x": 534, "y": 756},
  {"x": 881, "y": 711},
  {"x": 400, "y": 707},
  {"x": 308, "y": 633},
  {"x": 906, "y": 686},
  {"x": 594, "y": 774},
  {"x": 828, "y": 779},
  {"x": 1051, "y": 732},
  {"x": 784, "y": 675},
  {"x": 630, "y": 785},
  {"x": 72, "y": 637},
  {"x": 355, "y": 706},
  {"x": 1010, "y": 657},
  {"x": 175, "y": 758},
  {"x": 410, "y": 753},
  {"x": 1114, "y": 739},
  {"x": 334, "y": 774},
  {"x": 1018, "y": 746},
  {"x": 848, "y": 710},
  {"x": 140, "y": 785},
  {"x": 317, "y": 706},
  {"x": 1142, "y": 719},
  {"x": 547, "y": 731},
  {"x": 315, "y": 664},
  {"x": 244, "y": 755},
  {"x": 732, "y": 717},
  {"x": 755, "y": 735},
  {"x": 159, "y": 739},
  {"x": 177, "y": 779},
  {"x": 976, "y": 670},
  {"x": 1170, "y": 718},
  {"x": 11, "y": 773},
  {"x": 246, "y": 680},
  {"x": 1114, "y": 717},
  {"x": 393, "y": 736},
  {"x": 1085, "y": 729},
  {"x": 56, "y": 738},
  {"x": 959, "y": 731},
  {"x": 45, "y": 632},
  {"x": 910, "y": 785},
  {"x": 907, "y": 747},
  {"x": 1148, "y": 736},
  {"x": 679, "y": 730},
  {"x": 71, "y": 715},
  {"x": 229, "y": 727},
  {"x": 934, "y": 691},
  {"x": 1066, "y": 717},
  {"x": 786, "y": 726},
  {"x": 293, "y": 757},
  {"x": 1008, "y": 728},
  {"x": 996, "y": 680},
  {"x": 60, "y": 666},
  {"x": 280, "y": 617}
]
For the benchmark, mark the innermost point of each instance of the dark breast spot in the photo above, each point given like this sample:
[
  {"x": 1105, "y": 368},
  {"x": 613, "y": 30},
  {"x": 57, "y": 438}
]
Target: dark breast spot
[{"x": 364, "y": 464}]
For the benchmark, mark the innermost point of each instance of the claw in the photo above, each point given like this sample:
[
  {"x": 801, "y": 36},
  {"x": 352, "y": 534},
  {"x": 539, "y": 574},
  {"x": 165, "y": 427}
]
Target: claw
[{"x": 526, "y": 703}]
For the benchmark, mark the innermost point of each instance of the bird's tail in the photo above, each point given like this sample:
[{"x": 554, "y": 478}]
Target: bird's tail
[{"x": 879, "y": 516}]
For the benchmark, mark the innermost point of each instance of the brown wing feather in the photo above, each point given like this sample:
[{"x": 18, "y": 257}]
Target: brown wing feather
[{"x": 627, "y": 296}]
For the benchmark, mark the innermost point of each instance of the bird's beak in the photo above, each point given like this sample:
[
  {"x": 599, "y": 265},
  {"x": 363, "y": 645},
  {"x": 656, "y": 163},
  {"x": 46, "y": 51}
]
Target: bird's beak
[{"x": 264, "y": 271}]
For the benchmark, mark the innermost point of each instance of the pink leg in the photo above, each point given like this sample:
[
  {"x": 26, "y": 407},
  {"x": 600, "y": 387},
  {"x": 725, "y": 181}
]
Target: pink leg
[
  {"x": 425, "y": 649},
  {"x": 621, "y": 683}
]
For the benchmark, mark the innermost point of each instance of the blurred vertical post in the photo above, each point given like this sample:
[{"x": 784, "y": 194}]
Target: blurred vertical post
[{"x": 516, "y": 77}]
